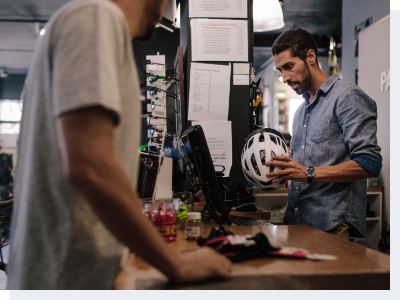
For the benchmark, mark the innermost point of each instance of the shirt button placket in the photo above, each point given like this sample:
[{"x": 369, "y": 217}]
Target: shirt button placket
[
  {"x": 305, "y": 122},
  {"x": 296, "y": 203}
]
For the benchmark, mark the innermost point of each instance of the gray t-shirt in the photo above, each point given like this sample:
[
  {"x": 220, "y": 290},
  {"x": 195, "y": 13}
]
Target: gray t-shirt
[{"x": 84, "y": 59}]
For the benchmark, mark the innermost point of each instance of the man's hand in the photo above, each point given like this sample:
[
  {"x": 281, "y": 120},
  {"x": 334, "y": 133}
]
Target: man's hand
[
  {"x": 292, "y": 170},
  {"x": 200, "y": 265}
]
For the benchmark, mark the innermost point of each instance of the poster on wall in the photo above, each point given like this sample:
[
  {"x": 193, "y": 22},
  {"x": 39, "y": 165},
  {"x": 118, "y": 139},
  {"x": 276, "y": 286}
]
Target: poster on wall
[
  {"x": 218, "y": 9},
  {"x": 219, "y": 40}
]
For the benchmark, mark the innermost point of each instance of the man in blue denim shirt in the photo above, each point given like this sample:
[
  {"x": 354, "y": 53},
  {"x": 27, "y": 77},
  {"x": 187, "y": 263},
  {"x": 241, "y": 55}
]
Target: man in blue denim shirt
[{"x": 334, "y": 146}]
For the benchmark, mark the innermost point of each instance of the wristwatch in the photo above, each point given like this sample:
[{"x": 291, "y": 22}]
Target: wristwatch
[{"x": 310, "y": 174}]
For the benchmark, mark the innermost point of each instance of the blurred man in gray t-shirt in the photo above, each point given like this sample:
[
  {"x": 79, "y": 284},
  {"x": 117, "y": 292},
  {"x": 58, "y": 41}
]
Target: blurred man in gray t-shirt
[{"x": 76, "y": 208}]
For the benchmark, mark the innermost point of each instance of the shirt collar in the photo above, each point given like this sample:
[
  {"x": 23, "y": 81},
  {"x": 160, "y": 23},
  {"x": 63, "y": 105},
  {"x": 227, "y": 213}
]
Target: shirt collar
[{"x": 324, "y": 88}]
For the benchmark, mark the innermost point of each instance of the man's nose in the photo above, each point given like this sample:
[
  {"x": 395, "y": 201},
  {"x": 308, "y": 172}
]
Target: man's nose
[{"x": 285, "y": 77}]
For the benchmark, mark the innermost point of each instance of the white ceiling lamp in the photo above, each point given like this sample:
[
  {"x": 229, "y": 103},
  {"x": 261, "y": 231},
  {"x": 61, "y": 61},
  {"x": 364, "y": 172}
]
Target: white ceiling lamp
[{"x": 267, "y": 15}]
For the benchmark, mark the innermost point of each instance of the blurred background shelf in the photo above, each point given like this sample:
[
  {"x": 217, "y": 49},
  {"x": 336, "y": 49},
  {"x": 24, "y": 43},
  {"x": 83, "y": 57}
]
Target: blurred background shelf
[{"x": 275, "y": 202}]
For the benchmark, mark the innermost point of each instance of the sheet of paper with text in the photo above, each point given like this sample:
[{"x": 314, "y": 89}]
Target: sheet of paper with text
[
  {"x": 219, "y": 140},
  {"x": 218, "y": 9},
  {"x": 209, "y": 92},
  {"x": 219, "y": 40}
]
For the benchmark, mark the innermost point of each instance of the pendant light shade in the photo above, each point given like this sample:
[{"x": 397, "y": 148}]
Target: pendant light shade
[{"x": 267, "y": 15}]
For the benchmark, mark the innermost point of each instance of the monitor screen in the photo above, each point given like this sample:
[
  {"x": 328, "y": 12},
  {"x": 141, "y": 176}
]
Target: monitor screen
[{"x": 201, "y": 171}]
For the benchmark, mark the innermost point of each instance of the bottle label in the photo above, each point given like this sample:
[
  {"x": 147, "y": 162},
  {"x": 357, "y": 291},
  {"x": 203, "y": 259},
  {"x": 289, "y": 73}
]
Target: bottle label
[
  {"x": 193, "y": 231},
  {"x": 164, "y": 229},
  {"x": 174, "y": 229},
  {"x": 169, "y": 229}
]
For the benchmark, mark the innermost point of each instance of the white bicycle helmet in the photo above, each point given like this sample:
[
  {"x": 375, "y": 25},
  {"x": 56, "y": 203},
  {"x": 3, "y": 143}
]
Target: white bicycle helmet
[{"x": 260, "y": 146}]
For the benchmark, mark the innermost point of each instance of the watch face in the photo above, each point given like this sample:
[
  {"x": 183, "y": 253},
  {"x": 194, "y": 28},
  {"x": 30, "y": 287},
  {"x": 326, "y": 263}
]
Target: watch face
[{"x": 310, "y": 172}]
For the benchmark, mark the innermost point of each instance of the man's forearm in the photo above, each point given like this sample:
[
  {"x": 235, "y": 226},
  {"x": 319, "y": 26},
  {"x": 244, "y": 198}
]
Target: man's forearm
[
  {"x": 85, "y": 140},
  {"x": 293, "y": 170},
  {"x": 344, "y": 172},
  {"x": 109, "y": 192},
  {"x": 86, "y": 146}
]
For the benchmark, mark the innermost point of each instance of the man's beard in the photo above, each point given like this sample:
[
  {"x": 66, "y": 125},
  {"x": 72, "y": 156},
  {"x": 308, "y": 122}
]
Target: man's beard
[{"x": 305, "y": 83}]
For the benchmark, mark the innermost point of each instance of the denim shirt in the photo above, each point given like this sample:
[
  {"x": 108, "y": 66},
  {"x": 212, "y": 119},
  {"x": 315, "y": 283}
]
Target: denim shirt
[{"x": 337, "y": 126}]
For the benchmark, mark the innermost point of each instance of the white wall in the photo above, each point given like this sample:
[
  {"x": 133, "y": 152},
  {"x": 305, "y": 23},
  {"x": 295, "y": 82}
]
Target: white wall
[
  {"x": 8, "y": 140},
  {"x": 374, "y": 58},
  {"x": 353, "y": 13}
]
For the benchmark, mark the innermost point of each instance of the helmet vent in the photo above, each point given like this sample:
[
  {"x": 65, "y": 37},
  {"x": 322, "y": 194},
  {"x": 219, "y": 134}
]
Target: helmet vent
[
  {"x": 245, "y": 164},
  {"x": 261, "y": 138},
  {"x": 272, "y": 168},
  {"x": 284, "y": 147},
  {"x": 262, "y": 157},
  {"x": 254, "y": 163},
  {"x": 251, "y": 142},
  {"x": 273, "y": 138}
]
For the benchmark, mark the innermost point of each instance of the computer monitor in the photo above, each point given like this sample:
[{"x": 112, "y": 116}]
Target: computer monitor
[{"x": 201, "y": 172}]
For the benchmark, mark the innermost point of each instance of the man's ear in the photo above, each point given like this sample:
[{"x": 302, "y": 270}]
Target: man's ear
[{"x": 311, "y": 57}]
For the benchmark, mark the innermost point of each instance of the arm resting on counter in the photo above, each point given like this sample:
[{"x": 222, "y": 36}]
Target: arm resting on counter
[{"x": 85, "y": 139}]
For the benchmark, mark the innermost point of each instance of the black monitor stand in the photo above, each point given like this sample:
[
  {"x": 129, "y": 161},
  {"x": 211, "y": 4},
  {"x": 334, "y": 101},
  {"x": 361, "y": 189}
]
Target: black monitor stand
[{"x": 212, "y": 214}]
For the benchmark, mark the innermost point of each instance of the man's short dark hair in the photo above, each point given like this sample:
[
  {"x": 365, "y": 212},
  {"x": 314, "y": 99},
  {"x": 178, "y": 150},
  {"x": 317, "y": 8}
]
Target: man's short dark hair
[{"x": 299, "y": 41}]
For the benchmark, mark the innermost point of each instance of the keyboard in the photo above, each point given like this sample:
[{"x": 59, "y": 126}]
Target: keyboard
[{"x": 246, "y": 221}]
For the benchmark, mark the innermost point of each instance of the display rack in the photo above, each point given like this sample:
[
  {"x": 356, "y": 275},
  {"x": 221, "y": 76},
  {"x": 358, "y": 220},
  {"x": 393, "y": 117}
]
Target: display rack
[
  {"x": 374, "y": 224},
  {"x": 158, "y": 101}
]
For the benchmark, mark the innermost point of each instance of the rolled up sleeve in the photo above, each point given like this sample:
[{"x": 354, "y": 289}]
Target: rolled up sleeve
[{"x": 357, "y": 114}]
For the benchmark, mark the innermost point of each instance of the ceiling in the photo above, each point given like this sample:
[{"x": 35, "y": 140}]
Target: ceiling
[
  {"x": 17, "y": 30},
  {"x": 323, "y": 18}
]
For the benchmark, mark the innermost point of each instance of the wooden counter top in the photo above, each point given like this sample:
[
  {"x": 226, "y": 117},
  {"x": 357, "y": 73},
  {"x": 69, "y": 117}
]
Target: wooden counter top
[{"x": 357, "y": 267}]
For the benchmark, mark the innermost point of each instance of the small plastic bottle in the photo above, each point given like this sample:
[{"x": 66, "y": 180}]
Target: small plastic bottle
[{"x": 193, "y": 226}]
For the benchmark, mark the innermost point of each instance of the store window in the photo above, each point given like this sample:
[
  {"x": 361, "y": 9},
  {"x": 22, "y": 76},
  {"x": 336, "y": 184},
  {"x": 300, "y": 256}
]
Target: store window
[{"x": 10, "y": 116}]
